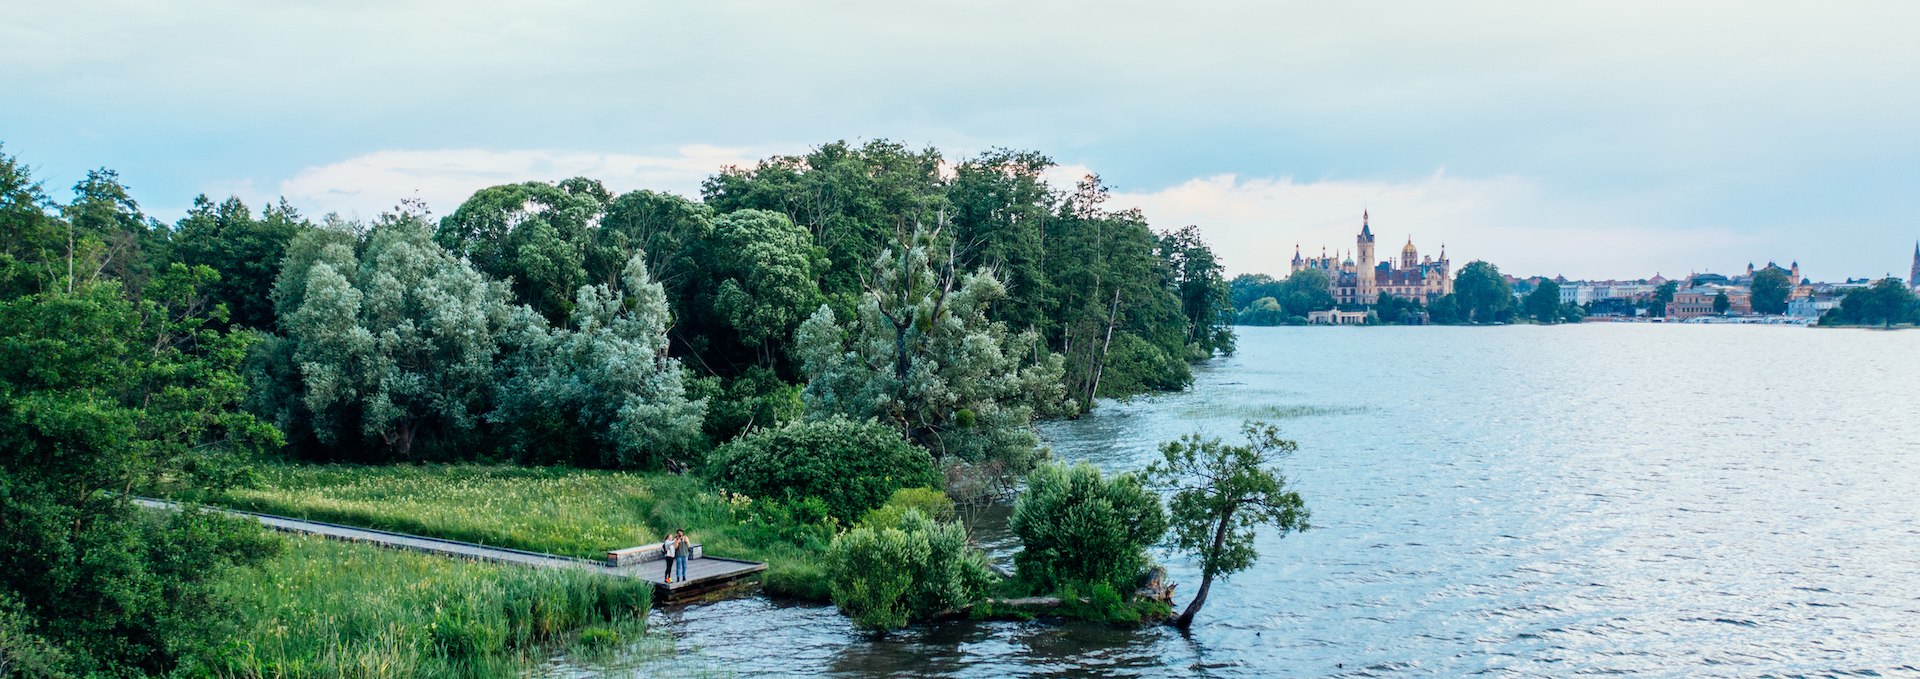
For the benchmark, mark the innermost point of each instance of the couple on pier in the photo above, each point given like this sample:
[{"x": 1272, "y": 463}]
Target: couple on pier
[{"x": 676, "y": 548}]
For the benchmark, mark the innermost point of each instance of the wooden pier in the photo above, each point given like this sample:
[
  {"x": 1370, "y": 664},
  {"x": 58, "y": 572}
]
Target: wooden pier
[{"x": 707, "y": 576}]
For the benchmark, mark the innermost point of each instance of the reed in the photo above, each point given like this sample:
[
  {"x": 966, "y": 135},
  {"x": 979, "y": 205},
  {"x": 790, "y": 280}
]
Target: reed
[{"x": 329, "y": 609}]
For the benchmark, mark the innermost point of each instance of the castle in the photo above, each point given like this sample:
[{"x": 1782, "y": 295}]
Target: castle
[
  {"x": 1913, "y": 281},
  {"x": 1361, "y": 282}
]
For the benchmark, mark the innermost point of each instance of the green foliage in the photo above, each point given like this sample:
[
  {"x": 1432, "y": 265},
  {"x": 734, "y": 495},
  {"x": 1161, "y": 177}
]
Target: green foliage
[
  {"x": 1888, "y": 302},
  {"x": 246, "y": 251},
  {"x": 100, "y": 395},
  {"x": 885, "y": 575},
  {"x": 534, "y": 235},
  {"x": 1721, "y": 303},
  {"x": 1272, "y": 302},
  {"x": 1200, "y": 283},
  {"x": 1076, "y": 526},
  {"x": 1662, "y": 296},
  {"x": 929, "y": 502},
  {"x": 1221, "y": 494},
  {"x": 1263, "y": 311},
  {"x": 923, "y": 357},
  {"x": 563, "y": 511},
  {"x": 849, "y": 465},
  {"x": 1483, "y": 294},
  {"x": 1543, "y": 304},
  {"x": 1388, "y": 308},
  {"x": 327, "y": 609},
  {"x": 601, "y": 392},
  {"x": 1770, "y": 289},
  {"x": 404, "y": 351}
]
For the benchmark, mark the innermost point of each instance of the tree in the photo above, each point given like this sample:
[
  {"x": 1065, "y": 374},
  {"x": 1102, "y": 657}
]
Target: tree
[
  {"x": 1445, "y": 310},
  {"x": 1306, "y": 291},
  {"x": 101, "y": 396},
  {"x": 1483, "y": 294},
  {"x": 1077, "y": 527},
  {"x": 1771, "y": 287},
  {"x": 397, "y": 345},
  {"x": 534, "y": 235},
  {"x": 246, "y": 252},
  {"x": 922, "y": 356},
  {"x": 1221, "y": 494},
  {"x": 1247, "y": 288},
  {"x": 851, "y": 466},
  {"x": 1662, "y": 296},
  {"x": 1543, "y": 304},
  {"x": 1201, "y": 284},
  {"x": 1721, "y": 303},
  {"x": 1888, "y": 302},
  {"x": 602, "y": 390}
]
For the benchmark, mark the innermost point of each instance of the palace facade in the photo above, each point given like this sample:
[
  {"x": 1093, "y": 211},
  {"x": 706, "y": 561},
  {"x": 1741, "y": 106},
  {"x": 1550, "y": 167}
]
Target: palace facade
[{"x": 1360, "y": 282}]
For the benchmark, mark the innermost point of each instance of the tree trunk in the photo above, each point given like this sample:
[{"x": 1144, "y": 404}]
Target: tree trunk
[
  {"x": 1100, "y": 369},
  {"x": 1185, "y": 621}
]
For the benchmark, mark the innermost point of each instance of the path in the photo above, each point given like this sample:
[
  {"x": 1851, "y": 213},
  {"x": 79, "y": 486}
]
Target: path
[{"x": 705, "y": 574}]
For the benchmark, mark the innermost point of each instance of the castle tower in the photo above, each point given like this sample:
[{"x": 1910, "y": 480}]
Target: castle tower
[
  {"x": 1298, "y": 262},
  {"x": 1795, "y": 272},
  {"x": 1409, "y": 257},
  {"x": 1366, "y": 290}
]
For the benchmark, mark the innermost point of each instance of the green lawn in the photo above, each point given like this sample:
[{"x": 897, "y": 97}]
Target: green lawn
[{"x": 564, "y": 511}]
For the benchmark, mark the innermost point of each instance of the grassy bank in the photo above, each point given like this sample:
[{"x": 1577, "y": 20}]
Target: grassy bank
[
  {"x": 564, "y": 511},
  {"x": 329, "y": 609}
]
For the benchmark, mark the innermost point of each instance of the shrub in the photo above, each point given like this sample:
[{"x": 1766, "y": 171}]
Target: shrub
[
  {"x": 851, "y": 466},
  {"x": 886, "y": 575},
  {"x": 1076, "y": 526},
  {"x": 934, "y": 504}
]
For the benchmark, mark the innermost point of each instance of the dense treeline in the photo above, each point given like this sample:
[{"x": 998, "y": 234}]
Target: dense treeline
[
  {"x": 822, "y": 299},
  {"x": 1886, "y": 303}
]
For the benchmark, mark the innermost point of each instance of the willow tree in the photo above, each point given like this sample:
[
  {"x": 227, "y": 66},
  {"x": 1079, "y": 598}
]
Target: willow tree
[
  {"x": 1221, "y": 495},
  {"x": 601, "y": 390},
  {"x": 922, "y": 355}
]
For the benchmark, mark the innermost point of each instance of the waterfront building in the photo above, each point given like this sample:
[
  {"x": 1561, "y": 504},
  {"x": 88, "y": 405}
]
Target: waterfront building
[
  {"x": 1358, "y": 279},
  {"x": 1811, "y": 305}
]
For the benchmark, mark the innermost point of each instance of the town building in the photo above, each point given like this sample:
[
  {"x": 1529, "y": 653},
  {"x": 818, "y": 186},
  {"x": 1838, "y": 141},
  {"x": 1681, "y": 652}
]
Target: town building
[{"x": 1360, "y": 281}]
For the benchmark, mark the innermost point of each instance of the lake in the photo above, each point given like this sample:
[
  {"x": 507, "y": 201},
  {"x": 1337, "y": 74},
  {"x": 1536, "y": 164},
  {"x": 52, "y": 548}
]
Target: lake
[{"x": 1677, "y": 500}]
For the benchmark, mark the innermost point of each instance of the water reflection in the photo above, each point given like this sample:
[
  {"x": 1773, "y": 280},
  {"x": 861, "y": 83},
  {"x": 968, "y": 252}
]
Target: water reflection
[{"x": 1669, "y": 501}]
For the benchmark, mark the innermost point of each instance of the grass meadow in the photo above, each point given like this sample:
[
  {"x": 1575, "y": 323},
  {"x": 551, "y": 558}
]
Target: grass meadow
[{"x": 572, "y": 512}]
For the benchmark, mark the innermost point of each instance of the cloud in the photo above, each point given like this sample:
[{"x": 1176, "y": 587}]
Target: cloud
[
  {"x": 368, "y": 184},
  {"x": 1513, "y": 222}
]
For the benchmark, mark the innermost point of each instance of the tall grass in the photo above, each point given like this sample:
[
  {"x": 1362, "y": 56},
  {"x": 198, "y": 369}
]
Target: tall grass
[
  {"x": 329, "y": 609},
  {"x": 564, "y": 511}
]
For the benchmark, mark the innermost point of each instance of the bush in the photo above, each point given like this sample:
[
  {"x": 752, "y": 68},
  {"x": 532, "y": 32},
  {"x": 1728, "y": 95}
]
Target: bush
[
  {"x": 851, "y": 466},
  {"x": 1077, "y": 527},
  {"x": 934, "y": 504},
  {"x": 884, "y": 576}
]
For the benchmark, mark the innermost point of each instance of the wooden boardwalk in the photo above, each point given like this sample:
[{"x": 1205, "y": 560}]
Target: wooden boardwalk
[{"x": 706, "y": 575}]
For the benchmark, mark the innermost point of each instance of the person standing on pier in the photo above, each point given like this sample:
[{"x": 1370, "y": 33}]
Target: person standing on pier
[
  {"x": 682, "y": 549},
  {"x": 667, "y": 543}
]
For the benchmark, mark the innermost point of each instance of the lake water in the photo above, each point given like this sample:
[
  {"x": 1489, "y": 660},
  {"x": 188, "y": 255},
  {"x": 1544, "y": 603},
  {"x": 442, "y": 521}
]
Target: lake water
[{"x": 1663, "y": 500}]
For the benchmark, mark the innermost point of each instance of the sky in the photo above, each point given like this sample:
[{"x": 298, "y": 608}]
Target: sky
[{"x": 1591, "y": 140}]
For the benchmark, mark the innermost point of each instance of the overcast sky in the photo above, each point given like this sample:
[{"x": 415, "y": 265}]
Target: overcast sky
[{"x": 1610, "y": 139}]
